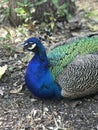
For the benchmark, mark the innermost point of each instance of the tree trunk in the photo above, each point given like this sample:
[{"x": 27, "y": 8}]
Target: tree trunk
[
  {"x": 14, "y": 19},
  {"x": 40, "y": 9}
]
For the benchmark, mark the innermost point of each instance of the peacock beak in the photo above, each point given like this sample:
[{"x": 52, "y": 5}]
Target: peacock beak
[{"x": 20, "y": 44}]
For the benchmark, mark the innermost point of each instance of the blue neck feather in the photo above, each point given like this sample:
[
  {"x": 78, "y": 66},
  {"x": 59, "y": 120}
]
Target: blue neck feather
[{"x": 38, "y": 77}]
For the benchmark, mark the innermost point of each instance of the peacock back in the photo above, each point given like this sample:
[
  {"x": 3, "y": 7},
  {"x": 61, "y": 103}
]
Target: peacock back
[{"x": 74, "y": 66}]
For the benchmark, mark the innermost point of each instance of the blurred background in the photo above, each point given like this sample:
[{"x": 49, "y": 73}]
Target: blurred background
[{"x": 64, "y": 18}]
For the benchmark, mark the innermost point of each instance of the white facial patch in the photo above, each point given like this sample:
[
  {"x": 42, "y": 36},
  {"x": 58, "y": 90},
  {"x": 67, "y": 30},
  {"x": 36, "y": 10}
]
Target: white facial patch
[{"x": 32, "y": 47}]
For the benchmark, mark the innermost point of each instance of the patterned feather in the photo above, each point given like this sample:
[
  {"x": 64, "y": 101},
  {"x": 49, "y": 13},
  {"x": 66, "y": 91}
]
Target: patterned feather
[
  {"x": 62, "y": 55},
  {"x": 80, "y": 78}
]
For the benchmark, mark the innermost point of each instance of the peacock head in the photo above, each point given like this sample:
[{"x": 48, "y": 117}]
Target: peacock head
[{"x": 33, "y": 44}]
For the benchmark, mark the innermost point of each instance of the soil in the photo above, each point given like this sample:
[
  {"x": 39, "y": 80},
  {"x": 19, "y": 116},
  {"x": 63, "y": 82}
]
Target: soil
[{"x": 20, "y": 110}]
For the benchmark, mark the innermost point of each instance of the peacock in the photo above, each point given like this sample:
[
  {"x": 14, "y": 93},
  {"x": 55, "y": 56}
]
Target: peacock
[{"x": 69, "y": 70}]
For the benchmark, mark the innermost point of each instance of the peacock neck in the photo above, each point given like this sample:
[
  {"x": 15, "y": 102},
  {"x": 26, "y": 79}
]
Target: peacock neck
[
  {"x": 40, "y": 57},
  {"x": 41, "y": 52}
]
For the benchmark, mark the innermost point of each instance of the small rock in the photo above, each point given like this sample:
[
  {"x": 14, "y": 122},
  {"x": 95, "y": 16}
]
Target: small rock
[{"x": 1, "y": 93}]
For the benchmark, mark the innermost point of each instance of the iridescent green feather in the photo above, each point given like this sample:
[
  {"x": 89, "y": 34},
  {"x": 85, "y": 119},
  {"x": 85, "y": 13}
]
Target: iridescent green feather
[{"x": 62, "y": 55}]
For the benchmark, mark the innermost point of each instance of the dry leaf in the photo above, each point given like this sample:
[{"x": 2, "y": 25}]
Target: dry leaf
[
  {"x": 15, "y": 91},
  {"x": 1, "y": 92},
  {"x": 2, "y": 70},
  {"x": 92, "y": 27}
]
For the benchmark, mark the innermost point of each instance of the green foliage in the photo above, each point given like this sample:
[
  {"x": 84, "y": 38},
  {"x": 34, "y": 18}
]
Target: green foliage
[
  {"x": 39, "y": 2},
  {"x": 25, "y": 10},
  {"x": 61, "y": 12},
  {"x": 92, "y": 19},
  {"x": 61, "y": 9},
  {"x": 4, "y": 7},
  {"x": 52, "y": 20},
  {"x": 6, "y": 36},
  {"x": 92, "y": 14},
  {"x": 2, "y": 39}
]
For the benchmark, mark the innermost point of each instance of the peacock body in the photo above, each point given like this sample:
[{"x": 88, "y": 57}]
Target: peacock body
[{"x": 69, "y": 70}]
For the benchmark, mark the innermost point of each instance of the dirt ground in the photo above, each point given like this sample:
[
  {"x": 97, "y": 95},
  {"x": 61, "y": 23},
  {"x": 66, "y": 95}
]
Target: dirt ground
[{"x": 20, "y": 110}]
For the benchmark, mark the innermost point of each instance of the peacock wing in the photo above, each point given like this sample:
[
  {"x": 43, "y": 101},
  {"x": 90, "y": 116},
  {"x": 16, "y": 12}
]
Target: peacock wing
[{"x": 80, "y": 77}]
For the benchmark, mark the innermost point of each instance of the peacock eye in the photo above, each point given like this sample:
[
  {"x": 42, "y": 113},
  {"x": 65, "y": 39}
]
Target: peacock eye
[{"x": 32, "y": 46}]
